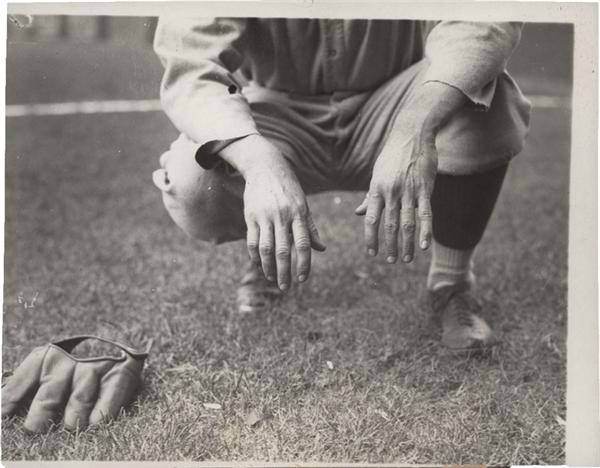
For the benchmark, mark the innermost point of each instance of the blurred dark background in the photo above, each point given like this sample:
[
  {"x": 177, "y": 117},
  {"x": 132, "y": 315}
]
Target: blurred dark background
[{"x": 58, "y": 58}]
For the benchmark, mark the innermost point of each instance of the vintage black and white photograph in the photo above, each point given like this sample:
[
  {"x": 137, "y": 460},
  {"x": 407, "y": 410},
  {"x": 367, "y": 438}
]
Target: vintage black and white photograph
[{"x": 286, "y": 238}]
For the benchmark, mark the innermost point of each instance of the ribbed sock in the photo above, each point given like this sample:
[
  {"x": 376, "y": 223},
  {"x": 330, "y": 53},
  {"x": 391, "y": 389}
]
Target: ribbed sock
[{"x": 450, "y": 267}]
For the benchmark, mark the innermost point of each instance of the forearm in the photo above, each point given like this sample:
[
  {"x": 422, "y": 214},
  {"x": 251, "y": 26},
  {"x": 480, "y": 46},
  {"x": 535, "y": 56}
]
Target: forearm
[{"x": 433, "y": 104}]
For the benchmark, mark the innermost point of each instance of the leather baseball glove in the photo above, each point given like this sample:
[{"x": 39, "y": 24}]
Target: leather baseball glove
[{"x": 81, "y": 390}]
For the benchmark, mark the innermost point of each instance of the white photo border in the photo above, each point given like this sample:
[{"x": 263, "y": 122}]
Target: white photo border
[{"x": 583, "y": 336}]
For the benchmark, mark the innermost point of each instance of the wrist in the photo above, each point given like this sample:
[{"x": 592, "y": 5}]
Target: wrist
[{"x": 251, "y": 154}]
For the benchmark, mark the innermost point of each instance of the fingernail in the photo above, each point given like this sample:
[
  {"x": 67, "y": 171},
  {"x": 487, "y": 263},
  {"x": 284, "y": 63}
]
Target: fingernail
[
  {"x": 406, "y": 258},
  {"x": 302, "y": 278},
  {"x": 371, "y": 252},
  {"x": 283, "y": 286},
  {"x": 271, "y": 278},
  {"x": 424, "y": 245},
  {"x": 390, "y": 259}
]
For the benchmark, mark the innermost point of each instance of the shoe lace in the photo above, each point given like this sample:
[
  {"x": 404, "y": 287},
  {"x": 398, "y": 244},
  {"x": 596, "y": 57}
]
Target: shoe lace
[
  {"x": 456, "y": 302},
  {"x": 463, "y": 305}
]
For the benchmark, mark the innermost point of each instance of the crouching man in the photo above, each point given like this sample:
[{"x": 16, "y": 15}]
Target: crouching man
[{"x": 421, "y": 115}]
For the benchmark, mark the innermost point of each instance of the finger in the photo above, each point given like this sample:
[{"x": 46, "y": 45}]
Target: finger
[
  {"x": 51, "y": 397},
  {"x": 361, "y": 209},
  {"x": 266, "y": 250},
  {"x": 23, "y": 382},
  {"x": 117, "y": 389},
  {"x": 425, "y": 221},
  {"x": 372, "y": 217},
  {"x": 252, "y": 239},
  {"x": 315, "y": 239},
  {"x": 282, "y": 255},
  {"x": 407, "y": 223},
  {"x": 390, "y": 228},
  {"x": 86, "y": 386},
  {"x": 302, "y": 243}
]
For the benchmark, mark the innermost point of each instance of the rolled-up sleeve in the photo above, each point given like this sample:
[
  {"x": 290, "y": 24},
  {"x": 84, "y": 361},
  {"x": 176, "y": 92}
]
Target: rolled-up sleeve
[
  {"x": 199, "y": 92},
  {"x": 469, "y": 56}
]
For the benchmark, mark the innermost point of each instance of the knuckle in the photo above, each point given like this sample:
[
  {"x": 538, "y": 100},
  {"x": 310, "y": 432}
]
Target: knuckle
[
  {"x": 391, "y": 227},
  {"x": 286, "y": 210},
  {"x": 262, "y": 219},
  {"x": 282, "y": 252},
  {"x": 390, "y": 191},
  {"x": 370, "y": 219},
  {"x": 408, "y": 227},
  {"x": 303, "y": 244},
  {"x": 300, "y": 210},
  {"x": 249, "y": 214},
  {"x": 395, "y": 185},
  {"x": 266, "y": 249},
  {"x": 283, "y": 212}
]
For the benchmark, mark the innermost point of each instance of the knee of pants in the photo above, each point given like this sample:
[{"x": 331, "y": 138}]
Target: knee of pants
[
  {"x": 476, "y": 141},
  {"x": 212, "y": 211}
]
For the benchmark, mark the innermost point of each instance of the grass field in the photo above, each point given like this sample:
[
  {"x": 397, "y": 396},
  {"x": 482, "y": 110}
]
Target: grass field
[{"x": 89, "y": 249}]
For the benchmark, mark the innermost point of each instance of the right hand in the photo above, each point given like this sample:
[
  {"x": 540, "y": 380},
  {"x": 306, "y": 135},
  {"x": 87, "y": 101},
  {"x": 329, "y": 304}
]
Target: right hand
[{"x": 275, "y": 210}]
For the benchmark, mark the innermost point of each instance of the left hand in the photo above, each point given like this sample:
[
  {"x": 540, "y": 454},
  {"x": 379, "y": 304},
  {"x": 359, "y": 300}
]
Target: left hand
[
  {"x": 80, "y": 391},
  {"x": 404, "y": 173}
]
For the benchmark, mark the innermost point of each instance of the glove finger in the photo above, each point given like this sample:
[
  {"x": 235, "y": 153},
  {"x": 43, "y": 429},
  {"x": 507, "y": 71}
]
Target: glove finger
[
  {"x": 117, "y": 389},
  {"x": 86, "y": 386},
  {"x": 23, "y": 382},
  {"x": 55, "y": 384}
]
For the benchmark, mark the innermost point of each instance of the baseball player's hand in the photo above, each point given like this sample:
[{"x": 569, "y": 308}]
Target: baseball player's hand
[
  {"x": 53, "y": 384},
  {"x": 275, "y": 210},
  {"x": 403, "y": 176}
]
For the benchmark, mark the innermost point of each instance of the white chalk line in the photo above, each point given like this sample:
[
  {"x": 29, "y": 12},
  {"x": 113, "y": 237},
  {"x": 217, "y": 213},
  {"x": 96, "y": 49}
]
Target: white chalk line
[
  {"x": 153, "y": 105},
  {"x": 83, "y": 107}
]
